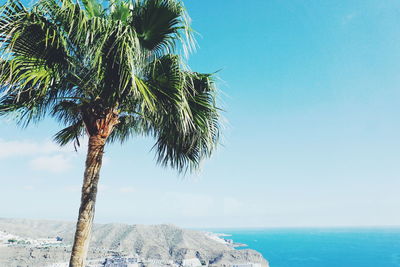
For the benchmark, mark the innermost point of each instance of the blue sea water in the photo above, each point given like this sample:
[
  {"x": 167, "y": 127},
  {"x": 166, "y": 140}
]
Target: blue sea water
[{"x": 354, "y": 247}]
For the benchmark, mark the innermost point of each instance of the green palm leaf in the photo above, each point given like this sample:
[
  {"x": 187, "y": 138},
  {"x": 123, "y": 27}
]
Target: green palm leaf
[{"x": 160, "y": 24}]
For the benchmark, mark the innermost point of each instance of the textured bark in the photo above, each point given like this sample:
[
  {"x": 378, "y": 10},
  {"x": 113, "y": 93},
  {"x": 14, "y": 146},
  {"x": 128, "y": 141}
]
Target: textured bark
[
  {"x": 88, "y": 201},
  {"x": 98, "y": 129}
]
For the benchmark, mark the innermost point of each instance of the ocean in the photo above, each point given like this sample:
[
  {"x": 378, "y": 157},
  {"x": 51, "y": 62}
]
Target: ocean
[{"x": 350, "y": 247}]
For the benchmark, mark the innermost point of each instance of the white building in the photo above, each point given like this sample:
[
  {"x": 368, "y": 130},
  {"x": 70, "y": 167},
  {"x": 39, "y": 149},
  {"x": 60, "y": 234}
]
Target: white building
[
  {"x": 194, "y": 262},
  {"x": 121, "y": 262},
  {"x": 250, "y": 264}
]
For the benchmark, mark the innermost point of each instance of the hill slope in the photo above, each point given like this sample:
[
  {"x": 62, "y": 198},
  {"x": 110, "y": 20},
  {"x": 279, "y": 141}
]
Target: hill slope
[{"x": 157, "y": 242}]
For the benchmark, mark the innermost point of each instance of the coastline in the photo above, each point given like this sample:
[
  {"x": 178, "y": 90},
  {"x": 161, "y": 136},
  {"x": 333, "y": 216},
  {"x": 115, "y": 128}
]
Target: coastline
[{"x": 220, "y": 237}]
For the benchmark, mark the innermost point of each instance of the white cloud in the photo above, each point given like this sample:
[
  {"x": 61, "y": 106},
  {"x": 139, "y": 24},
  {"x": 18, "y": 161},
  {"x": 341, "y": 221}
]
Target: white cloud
[
  {"x": 23, "y": 148},
  {"x": 41, "y": 155},
  {"x": 55, "y": 163},
  {"x": 127, "y": 189},
  {"x": 17, "y": 148}
]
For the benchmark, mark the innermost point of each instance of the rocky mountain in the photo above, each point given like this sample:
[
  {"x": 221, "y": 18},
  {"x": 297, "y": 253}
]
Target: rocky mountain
[{"x": 151, "y": 242}]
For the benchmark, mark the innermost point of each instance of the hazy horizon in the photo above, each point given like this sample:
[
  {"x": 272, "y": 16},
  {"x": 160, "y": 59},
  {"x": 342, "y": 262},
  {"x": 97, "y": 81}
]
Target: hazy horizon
[{"x": 227, "y": 228}]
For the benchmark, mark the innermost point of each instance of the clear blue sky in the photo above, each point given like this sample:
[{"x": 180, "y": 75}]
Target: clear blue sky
[{"x": 311, "y": 93}]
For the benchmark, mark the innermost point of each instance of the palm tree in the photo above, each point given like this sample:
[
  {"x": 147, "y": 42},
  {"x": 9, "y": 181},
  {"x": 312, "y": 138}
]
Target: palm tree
[{"x": 109, "y": 71}]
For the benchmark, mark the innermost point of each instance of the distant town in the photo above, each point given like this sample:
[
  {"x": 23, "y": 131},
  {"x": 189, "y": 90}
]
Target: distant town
[{"x": 115, "y": 259}]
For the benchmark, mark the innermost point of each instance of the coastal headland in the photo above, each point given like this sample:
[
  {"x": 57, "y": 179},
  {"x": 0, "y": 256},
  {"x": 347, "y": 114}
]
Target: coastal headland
[{"x": 31, "y": 243}]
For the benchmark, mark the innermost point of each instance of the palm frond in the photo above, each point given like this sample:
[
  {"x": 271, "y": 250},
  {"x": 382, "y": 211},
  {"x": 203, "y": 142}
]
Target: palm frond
[
  {"x": 67, "y": 112},
  {"x": 120, "y": 10},
  {"x": 93, "y": 8},
  {"x": 70, "y": 134},
  {"x": 31, "y": 36},
  {"x": 184, "y": 139},
  {"x": 29, "y": 89},
  {"x": 129, "y": 125},
  {"x": 160, "y": 24}
]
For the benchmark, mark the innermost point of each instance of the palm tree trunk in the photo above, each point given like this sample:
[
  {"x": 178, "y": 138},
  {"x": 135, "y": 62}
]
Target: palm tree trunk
[
  {"x": 99, "y": 129},
  {"x": 88, "y": 201}
]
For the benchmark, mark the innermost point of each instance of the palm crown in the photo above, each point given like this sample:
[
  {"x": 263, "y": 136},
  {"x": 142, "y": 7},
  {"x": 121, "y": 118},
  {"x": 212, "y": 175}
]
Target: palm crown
[{"x": 83, "y": 62}]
